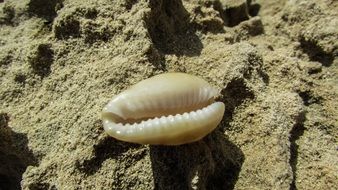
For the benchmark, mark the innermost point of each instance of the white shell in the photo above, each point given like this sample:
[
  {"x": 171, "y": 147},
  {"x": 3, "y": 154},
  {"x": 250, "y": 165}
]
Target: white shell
[{"x": 169, "y": 109}]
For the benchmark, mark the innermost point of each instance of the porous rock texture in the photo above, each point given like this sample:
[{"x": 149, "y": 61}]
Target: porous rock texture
[{"x": 274, "y": 63}]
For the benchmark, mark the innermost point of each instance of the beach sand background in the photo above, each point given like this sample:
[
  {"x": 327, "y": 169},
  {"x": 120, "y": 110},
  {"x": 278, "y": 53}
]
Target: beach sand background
[{"x": 274, "y": 63}]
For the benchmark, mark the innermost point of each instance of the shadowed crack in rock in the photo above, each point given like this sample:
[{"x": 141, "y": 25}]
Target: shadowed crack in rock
[{"x": 296, "y": 132}]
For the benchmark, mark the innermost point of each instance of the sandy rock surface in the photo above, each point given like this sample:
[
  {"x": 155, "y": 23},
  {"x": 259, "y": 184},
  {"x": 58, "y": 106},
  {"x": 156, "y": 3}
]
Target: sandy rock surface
[{"x": 274, "y": 63}]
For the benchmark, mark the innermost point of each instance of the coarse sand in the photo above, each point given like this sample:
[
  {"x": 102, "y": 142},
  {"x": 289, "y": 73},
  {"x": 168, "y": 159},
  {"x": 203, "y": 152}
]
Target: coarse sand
[{"x": 274, "y": 63}]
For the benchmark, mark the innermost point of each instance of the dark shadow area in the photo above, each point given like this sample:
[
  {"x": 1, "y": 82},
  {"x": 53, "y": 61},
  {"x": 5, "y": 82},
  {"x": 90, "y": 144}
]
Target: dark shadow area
[
  {"x": 315, "y": 52},
  {"x": 41, "y": 186},
  {"x": 236, "y": 13},
  {"x": 247, "y": 28},
  {"x": 233, "y": 95},
  {"x": 214, "y": 161},
  {"x": 296, "y": 132},
  {"x": 170, "y": 30},
  {"x": 67, "y": 26},
  {"x": 15, "y": 155},
  {"x": 45, "y": 9},
  {"x": 156, "y": 58},
  {"x": 7, "y": 59},
  {"x": 41, "y": 58},
  {"x": 265, "y": 77},
  {"x": 128, "y": 4},
  {"x": 20, "y": 78},
  {"x": 308, "y": 98},
  {"x": 228, "y": 162},
  {"x": 254, "y": 8},
  {"x": 8, "y": 14},
  {"x": 107, "y": 148}
]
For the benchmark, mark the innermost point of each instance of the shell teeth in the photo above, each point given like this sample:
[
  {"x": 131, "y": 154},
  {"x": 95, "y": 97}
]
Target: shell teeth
[
  {"x": 148, "y": 125},
  {"x": 199, "y": 112},
  {"x": 193, "y": 115},
  {"x": 168, "y": 100},
  {"x": 186, "y": 118},
  {"x": 170, "y": 119},
  {"x": 163, "y": 120}
]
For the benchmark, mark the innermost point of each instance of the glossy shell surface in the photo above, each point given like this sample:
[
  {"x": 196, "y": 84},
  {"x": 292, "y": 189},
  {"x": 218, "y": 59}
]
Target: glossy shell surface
[{"x": 167, "y": 109}]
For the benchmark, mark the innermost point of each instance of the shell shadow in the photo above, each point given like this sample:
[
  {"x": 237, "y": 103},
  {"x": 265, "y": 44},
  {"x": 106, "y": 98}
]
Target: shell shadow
[
  {"x": 105, "y": 149},
  {"x": 211, "y": 163},
  {"x": 235, "y": 94}
]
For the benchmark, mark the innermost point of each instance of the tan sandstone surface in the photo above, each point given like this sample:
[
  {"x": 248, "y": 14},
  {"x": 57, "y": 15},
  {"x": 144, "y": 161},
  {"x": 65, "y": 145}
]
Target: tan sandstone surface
[{"x": 274, "y": 63}]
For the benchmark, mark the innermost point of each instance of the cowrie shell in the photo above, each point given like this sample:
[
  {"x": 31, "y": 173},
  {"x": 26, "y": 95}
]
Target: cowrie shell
[{"x": 167, "y": 109}]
